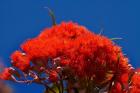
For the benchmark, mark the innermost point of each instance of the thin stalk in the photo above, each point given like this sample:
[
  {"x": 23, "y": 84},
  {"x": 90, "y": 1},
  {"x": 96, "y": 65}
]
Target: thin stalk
[
  {"x": 46, "y": 86},
  {"x": 62, "y": 87},
  {"x": 58, "y": 88},
  {"x": 116, "y": 38},
  {"x": 51, "y": 15}
]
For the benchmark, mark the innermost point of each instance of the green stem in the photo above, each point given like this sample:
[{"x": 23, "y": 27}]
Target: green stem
[
  {"x": 58, "y": 86},
  {"x": 115, "y": 38},
  {"x": 51, "y": 15},
  {"x": 62, "y": 87}
]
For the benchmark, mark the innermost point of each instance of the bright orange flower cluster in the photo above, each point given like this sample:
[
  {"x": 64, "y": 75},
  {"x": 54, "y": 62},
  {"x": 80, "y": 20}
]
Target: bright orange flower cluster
[
  {"x": 135, "y": 82},
  {"x": 5, "y": 75},
  {"x": 20, "y": 60},
  {"x": 80, "y": 52},
  {"x": 86, "y": 53},
  {"x": 128, "y": 83},
  {"x": 53, "y": 76}
]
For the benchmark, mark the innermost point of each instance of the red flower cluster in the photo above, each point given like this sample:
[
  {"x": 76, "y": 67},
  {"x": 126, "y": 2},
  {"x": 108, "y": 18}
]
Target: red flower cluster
[
  {"x": 53, "y": 76},
  {"x": 128, "y": 83},
  {"x": 20, "y": 60},
  {"x": 135, "y": 83},
  {"x": 81, "y": 53},
  {"x": 5, "y": 75},
  {"x": 86, "y": 53}
]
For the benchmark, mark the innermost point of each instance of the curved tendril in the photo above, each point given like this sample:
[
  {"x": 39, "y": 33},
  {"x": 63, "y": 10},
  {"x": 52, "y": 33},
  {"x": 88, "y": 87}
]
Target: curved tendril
[
  {"x": 51, "y": 15},
  {"x": 21, "y": 81}
]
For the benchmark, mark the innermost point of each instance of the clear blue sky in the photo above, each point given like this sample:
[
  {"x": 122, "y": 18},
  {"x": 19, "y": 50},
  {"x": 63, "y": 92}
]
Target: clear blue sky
[{"x": 22, "y": 19}]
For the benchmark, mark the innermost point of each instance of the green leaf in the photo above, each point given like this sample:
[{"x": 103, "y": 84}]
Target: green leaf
[{"x": 54, "y": 88}]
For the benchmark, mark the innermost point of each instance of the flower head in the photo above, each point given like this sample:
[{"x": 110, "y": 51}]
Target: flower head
[
  {"x": 87, "y": 54},
  {"x": 53, "y": 76},
  {"x": 135, "y": 85},
  {"x": 5, "y": 74},
  {"x": 20, "y": 60}
]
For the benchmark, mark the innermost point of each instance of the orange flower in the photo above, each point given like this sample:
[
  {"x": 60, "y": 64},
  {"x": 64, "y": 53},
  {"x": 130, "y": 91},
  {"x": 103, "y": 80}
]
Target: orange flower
[
  {"x": 53, "y": 76},
  {"x": 20, "y": 60},
  {"x": 88, "y": 54},
  {"x": 5, "y": 75},
  {"x": 117, "y": 88},
  {"x": 135, "y": 86}
]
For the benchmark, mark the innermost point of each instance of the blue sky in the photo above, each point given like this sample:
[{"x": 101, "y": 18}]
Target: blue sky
[{"x": 23, "y": 19}]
